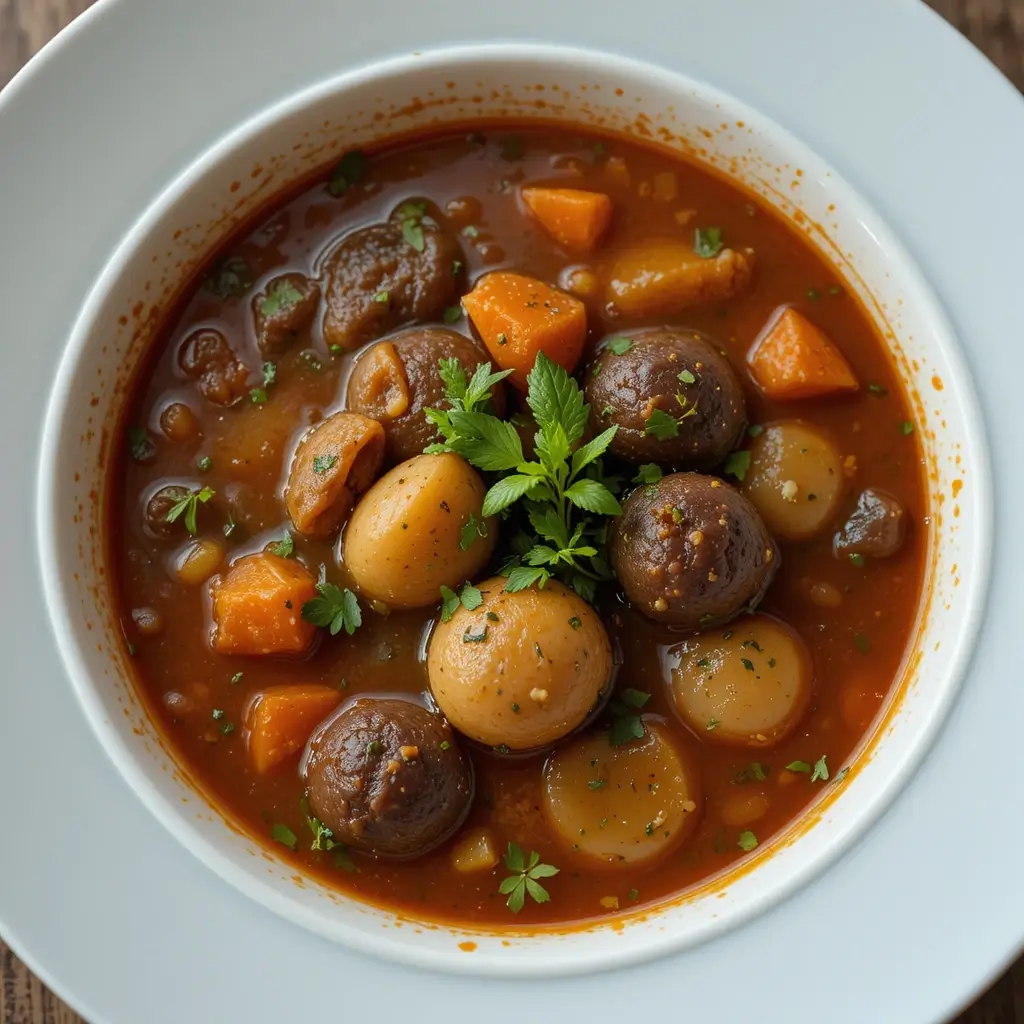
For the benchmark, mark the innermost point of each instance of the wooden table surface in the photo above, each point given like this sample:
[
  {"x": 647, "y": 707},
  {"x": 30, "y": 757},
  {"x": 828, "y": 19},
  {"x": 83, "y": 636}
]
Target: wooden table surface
[{"x": 995, "y": 26}]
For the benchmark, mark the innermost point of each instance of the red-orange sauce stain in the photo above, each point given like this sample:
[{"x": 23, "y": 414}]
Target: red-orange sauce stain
[
  {"x": 957, "y": 486},
  {"x": 256, "y": 171},
  {"x": 467, "y": 947},
  {"x": 122, "y": 321},
  {"x": 235, "y": 186},
  {"x": 937, "y": 382}
]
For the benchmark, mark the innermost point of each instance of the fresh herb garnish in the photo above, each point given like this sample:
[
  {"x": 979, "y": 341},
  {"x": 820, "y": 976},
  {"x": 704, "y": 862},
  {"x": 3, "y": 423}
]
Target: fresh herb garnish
[
  {"x": 575, "y": 622},
  {"x": 524, "y": 878},
  {"x": 382, "y": 297},
  {"x": 281, "y": 295},
  {"x": 906, "y": 428},
  {"x": 453, "y": 314},
  {"x": 627, "y": 725},
  {"x": 840, "y": 775},
  {"x": 686, "y": 377},
  {"x": 188, "y": 507},
  {"x": 738, "y": 464},
  {"x": 283, "y": 548},
  {"x": 713, "y": 724},
  {"x": 597, "y": 783},
  {"x": 747, "y": 841},
  {"x": 472, "y": 529},
  {"x": 469, "y": 597},
  {"x": 648, "y": 473},
  {"x": 140, "y": 444},
  {"x": 348, "y": 172},
  {"x": 410, "y": 216},
  {"x": 661, "y": 426},
  {"x": 230, "y": 278},
  {"x": 259, "y": 395},
  {"x": 820, "y": 770},
  {"x": 322, "y": 463},
  {"x": 747, "y": 664},
  {"x": 857, "y": 559},
  {"x": 756, "y": 771},
  {"x": 236, "y": 678},
  {"x": 474, "y": 638},
  {"x": 798, "y": 766},
  {"x": 284, "y": 835},
  {"x": 619, "y": 346},
  {"x": 335, "y": 608},
  {"x": 204, "y": 464},
  {"x": 707, "y": 242},
  {"x": 564, "y": 490}
]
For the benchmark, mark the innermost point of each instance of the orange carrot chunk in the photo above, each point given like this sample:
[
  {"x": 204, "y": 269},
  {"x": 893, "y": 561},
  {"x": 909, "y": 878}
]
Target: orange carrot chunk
[
  {"x": 792, "y": 359},
  {"x": 519, "y": 316},
  {"x": 280, "y": 719},
  {"x": 573, "y": 218},
  {"x": 257, "y": 607}
]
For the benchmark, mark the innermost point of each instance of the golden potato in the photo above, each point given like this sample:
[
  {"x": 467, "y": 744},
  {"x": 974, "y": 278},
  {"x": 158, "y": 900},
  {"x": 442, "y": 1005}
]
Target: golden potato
[
  {"x": 795, "y": 479},
  {"x": 745, "y": 685},
  {"x": 625, "y": 805},
  {"x": 333, "y": 464},
  {"x": 404, "y": 539},
  {"x": 522, "y": 670}
]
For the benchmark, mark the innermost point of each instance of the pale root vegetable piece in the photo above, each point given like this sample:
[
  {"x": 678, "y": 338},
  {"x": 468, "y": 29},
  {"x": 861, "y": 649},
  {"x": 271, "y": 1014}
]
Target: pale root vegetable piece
[
  {"x": 574, "y": 218},
  {"x": 257, "y": 606},
  {"x": 664, "y": 277},
  {"x": 795, "y": 479},
  {"x": 579, "y": 281},
  {"x": 743, "y": 807},
  {"x": 793, "y": 359},
  {"x": 523, "y": 669},
  {"x": 280, "y": 719},
  {"x": 474, "y": 851},
  {"x": 403, "y": 541},
  {"x": 179, "y": 423},
  {"x": 333, "y": 464},
  {"x": 746, "y": 685},
  {"x": 519, "y": 316},
  {"x": 199, "y": 561},
  {"x": 622, "y": 806}
]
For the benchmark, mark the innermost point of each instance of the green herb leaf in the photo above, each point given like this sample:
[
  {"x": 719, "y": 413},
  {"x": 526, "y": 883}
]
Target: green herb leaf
[
  {"x": 857, "y": 559},
  {"x": 755, "y": 430},
  {"x": 348, "y": 172},
  {"x": 820, "y": 770},
  {"x": 449, "y": 603},
  {"x": 523, "y": 880},
  {"x": 410, "y": 216},
  {"x": 188, "y": 506},
  {"x": 906, "y": 428},
  {"x": 453, "y": 314},
  {"x": 334, "y": 607},
  {"x": 485, "y": 441},
  {"x": 593, "y": 496},
  {"x": 281, "y": 295},
  {"x": 592, "y": 450},
  {"x": 877, "y": 390},
  {"x": 523, "y": 577},
  {"x": 140, "y": 444},
  {"x": 756, "y": 771},
  {"x": 382, "y": 297},
  {"x": 619, "y": 346},
  {"x": 283, "y": 548},
  {"x": 798, "y": 766},
  {"x": 507, "y": 491},
  {"x": 284, "y": 835},
  {"x": 661, "y": 426},
  {"x": 472, "y": 530},
  {"x": 686, "y": 377},
  {"x": 737, "y": 465},
  {"x": 555, "y": 398},
  {"x": 747, "y": 841},
  {"x": 648, "y": 473},
  {"x": 707, "y": 242},
  {"x": 840, "y": 775}
]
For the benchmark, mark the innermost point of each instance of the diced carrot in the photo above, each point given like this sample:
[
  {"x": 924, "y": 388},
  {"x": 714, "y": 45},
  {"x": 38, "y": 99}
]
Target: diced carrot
[
  {"x": 664, "y": 277},
  {"x": 280, "y": 719},
  {"x": 257, "y": 606},
  {"x": 519, "y": 316},
  {"x": 573, "y": 218},
  {"x": 793, "y": 359}
]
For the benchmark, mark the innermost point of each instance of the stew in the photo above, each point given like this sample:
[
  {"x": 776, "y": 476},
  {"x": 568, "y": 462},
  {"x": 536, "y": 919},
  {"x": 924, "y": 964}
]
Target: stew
[{"x": 519, "y": 525}]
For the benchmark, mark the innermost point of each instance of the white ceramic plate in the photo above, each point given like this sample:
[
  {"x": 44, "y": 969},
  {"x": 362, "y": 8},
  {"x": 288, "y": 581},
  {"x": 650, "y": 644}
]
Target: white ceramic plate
[{"x": 124, "y": 924}]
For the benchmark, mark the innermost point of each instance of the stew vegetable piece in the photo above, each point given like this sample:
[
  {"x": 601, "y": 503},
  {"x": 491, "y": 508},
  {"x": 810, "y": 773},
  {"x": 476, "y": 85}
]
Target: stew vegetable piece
[{"x": 518, "y": 526}]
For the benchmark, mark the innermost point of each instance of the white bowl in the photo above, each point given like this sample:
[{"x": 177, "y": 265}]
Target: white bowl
[{"x": 294, "y": 139}]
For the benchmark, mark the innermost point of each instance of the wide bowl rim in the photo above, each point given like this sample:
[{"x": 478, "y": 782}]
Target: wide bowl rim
[{"x": 86, "y": 689}]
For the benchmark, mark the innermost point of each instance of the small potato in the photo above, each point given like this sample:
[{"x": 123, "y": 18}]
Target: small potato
[
  {"x": 199, "y": 561},
  {"x": 747, "y": 685},
  {"x": 795, "y": 479},
  {"x": 621, "y": 806},
  {"x": 523, "y": 669},
  {"x": 743, "y": 807},
  {"x": 404, "y": 539},
  {"x": 333, "y": 464},
  {"x": 474, "y": 851}
]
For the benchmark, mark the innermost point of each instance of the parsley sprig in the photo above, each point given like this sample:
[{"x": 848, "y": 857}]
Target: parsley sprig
[
  {"x": 564, "y": 492},
  {"x": 523, "y": 879},
  {"x": 335, "y": 608},
  {"x": 469, "y": 597},
  {"x": 188, "y": 506}
]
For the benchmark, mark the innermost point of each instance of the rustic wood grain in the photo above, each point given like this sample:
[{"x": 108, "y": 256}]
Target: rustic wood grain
[{"x": 995, "y": 26}]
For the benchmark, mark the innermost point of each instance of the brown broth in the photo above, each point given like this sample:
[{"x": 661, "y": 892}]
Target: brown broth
[{"x": 856, "y": 648}]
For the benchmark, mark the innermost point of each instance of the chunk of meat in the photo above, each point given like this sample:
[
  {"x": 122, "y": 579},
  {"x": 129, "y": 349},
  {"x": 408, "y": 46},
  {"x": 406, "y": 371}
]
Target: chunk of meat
[
  {"x": 574, "y": 218},
  {"x": 257, "y": 606},
  {"x": 518, "y": 317},
  {"x": 154, "y": 515},
  {"x": 280, "y": 719},
  {"x": 877, "y": 526},
  {"x": 394, "y": 380},
  {"x": 333, "y": 464},
  {"x": 282, "y": 310},
  {"x": 664, "y": 277},
  {"x": 377, "y": 280},
  {"x": 792, "y": 359},
  {"x": 208, "y": 359}
]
